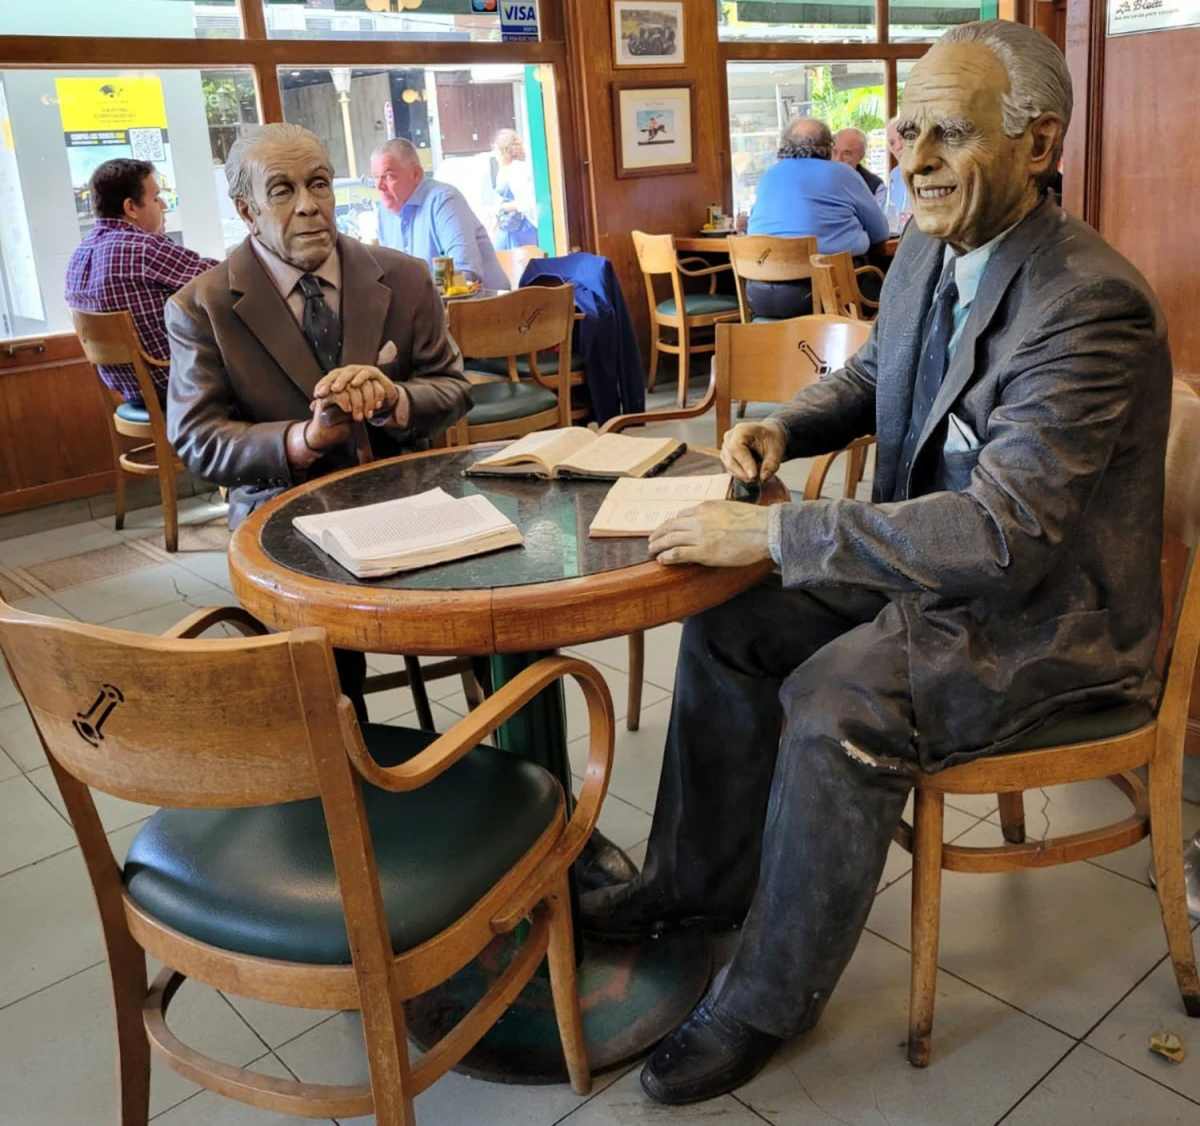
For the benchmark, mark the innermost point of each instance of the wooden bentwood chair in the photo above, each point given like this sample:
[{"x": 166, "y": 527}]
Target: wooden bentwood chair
[
  {"x": 768, "y": 258},
  {"x": 301, "y": 859},
  {"x": 681, "y": 312},
  {"x": 110, "y": 339},
  {"x": 835, "y": 281},
  {"x": 516, "y": 325},
  {"x": 766, "y": 362},
  {"x": 1110, "y": 744}
]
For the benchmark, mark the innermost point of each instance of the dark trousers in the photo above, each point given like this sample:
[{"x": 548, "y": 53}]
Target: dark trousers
[
  {"x": 788, "y": 829},
  {"x": 352, "y": 672},
  {"x": 780, "y": 300}
]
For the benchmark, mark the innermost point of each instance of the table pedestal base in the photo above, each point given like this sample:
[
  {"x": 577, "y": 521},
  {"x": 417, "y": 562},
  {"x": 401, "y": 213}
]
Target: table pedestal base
[{"x": 632, "y": 995}]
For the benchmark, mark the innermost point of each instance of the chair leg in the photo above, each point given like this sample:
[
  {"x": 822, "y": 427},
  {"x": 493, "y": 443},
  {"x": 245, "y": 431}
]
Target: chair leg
[
  {"x": 472, "y": 690},
  {"x": 127, "y": 970},
  {"x": 119, "y": 498},
  {"x": 741, "y": 411},
  {"x": 856, "y": 464},
  {"x": 565, "y": 988},
  {"x": 928, "y": 817},
  {"x": 386, "y": 1041},
  {"x": 685, "y": 363},
  {"x": 170, "y": 503},
  {"x": 1012, "y": 817},
  {"x": 1166, "y": 837},
  {"x": 416, "y": 682},
  {"x": 637, "y": 666},
  {"x": 653, "y": 355}
]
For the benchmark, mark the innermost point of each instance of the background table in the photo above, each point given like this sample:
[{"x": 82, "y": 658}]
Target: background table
[
  {"x": 717, "y": 244},
  {"x": 560, "y": 589}
]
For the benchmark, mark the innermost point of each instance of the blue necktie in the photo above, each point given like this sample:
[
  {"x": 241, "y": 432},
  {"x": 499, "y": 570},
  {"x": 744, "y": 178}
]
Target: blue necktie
[
  {"x": 321, "y": 325},
  {"x": 939, "y": 327}
]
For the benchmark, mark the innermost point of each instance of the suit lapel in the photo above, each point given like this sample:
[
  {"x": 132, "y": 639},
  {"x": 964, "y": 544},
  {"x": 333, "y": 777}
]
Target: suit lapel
[
  {"x": 266, "y": 315},
  {"x": 365, "y": 304},
  {"x": 1004, "y": 265}
]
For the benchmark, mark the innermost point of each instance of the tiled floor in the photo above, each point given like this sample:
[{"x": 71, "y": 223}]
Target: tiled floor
[{"x": 1051, "y": 983}]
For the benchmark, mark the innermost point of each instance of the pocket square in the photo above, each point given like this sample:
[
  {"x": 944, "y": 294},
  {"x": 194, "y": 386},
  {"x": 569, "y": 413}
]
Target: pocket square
[
  {"x": 960, "y": 437},
  {"x": 386, "y": 354}
]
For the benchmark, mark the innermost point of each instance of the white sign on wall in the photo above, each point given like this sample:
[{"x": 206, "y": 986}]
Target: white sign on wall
[{"x": 1128, "y": 16}]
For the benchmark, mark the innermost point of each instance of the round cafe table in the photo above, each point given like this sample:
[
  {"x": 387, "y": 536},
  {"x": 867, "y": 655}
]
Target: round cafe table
[{"x": 560, "y": 589}]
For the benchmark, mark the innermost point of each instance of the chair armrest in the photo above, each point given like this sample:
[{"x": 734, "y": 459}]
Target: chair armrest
[
  {"x": 718, "y": 269},
  {"x": 868, "y": 270},
  {"x": 649, "y": 418},
  {"x": 822, "y": 465},
  {"x": 196, "y": 624}
]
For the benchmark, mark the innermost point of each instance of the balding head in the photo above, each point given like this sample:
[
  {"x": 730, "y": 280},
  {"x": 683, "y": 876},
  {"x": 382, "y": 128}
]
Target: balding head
[
  {"x": 806, "y": 137},
  {"x": 397, "y": 170},
  {"x": 849, "y": 146}
]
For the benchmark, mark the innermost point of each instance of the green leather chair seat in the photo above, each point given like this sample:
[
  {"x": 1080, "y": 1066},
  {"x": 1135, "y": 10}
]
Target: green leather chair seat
[
  {"x": 697, "y": 304},
  {"x": 547, "y": 365},
  {"x": 506, "y": 402},
  {"x": 1084, "y": 727},
  {"x": 132, "y": 413},
  {"x": 260, "y": 881},
  {"x": 757, "y": 320}
]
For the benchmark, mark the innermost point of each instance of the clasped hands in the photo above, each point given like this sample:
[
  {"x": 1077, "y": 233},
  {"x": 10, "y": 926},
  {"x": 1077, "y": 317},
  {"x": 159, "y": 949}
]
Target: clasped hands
[
  {"x": 353, "y": 393},
  {"x": 727, "y": 533}
]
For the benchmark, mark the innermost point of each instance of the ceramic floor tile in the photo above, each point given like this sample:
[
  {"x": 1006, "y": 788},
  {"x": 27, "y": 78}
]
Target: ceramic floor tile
[
  {"x": 158, "y": 619},
  {"x": 899, "y": 860},
  {"x": 662, "y": 650},
  {"x": 1076, "y": 808},
  {"x": 1064, "y": 944},
  {"x": 58, "y": 1051},
  {"x": 623, "y": 824},
  {"x": 115, "y": 813},
  {"x": 8, "y": 691},
  {"x": 1154, "y": 1006},
  {"x": 123, "y": 595},
  {"x": 45, "y": 606},
  {"x": 277, "y": 1024},
  {"x": 192, "y": 510},
  {"x": 48, "y": 923},
  {"x": 383, "y": 707},
  {"x": 56, "y": 543},
  {"x": 19, "y": 738},
  {"x": 210, "y": 1109},
  {"x": 1087, "y": 1089},
  {"x": 637, "y": 757},
  {"x": 8, "y": 768},
  {"x": 30, "y": 829},
  {"x": 212, "y": 566},
  {"x": 625, "y": 1103},
  {"x": 851, "y": 1068},
  {"x": 333, "y": 1053}
]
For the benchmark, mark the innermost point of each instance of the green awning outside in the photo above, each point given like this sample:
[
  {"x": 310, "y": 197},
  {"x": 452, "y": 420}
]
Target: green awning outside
[{"x": 854, "y": 13}]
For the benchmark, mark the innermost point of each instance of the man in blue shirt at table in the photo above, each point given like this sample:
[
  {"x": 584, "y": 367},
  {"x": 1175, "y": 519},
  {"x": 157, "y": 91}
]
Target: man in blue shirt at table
[
  {"x": 807, "y": 193},
  {"x": 428, "y": 219}
]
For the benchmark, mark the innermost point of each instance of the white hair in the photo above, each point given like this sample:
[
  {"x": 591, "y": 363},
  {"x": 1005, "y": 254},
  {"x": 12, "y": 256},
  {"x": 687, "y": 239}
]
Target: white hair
[
  {"x": 239, "y": 164},
  {"x": 1038, "y": 78},
  {"x": 403, "y": 150},
  {"x": 862, "y": 137}
]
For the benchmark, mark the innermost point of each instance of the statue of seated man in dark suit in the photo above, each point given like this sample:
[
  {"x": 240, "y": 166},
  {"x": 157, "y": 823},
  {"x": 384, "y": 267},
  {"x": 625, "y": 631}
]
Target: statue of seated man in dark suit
[{"x": 1004, "y": 573}]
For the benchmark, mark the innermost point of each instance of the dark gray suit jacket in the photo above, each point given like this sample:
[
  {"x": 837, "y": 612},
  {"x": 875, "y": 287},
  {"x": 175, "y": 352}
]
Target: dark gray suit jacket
[
  {"x": 1026, "y": 569},
  {"x": 242, "y": 371}
]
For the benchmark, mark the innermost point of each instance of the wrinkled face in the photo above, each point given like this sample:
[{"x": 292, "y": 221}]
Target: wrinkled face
[
  {"x": 151, "y": 213},
  {"x": 395, "y": 180},
  {"x": 967, "y": 181},
  {"x": 848, "y": 148},
  {"x": 292, "y": 212}
]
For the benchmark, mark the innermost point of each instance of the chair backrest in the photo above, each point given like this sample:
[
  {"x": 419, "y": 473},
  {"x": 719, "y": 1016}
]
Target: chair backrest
[
  {"x": 655, "y": 253},
  {"x": 513, "y": 262},
  {"x": 838, "y": 284},
  {"x": 1182, "y": 522},
  {"x": 521, "y": 323},
  {"x": 110, "y": 340},
  {"x": 769, "y": 258},
  {"x": 771, "y": 362},
  {"x": 189, "y": 724}
]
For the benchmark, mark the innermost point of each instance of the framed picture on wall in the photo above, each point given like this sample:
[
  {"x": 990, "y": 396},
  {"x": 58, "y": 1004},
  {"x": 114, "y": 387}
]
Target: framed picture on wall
[
  {"x": 654, "y": 127},
  {"x": 647, "y": 32}
]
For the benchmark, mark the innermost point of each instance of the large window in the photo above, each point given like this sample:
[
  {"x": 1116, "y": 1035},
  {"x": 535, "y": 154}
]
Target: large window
[
  {"x": 384, "y": 19},
  {"x": 58, "y": 126},
  {"x": 452, "y": 115},
  {"x": 128, "y": 19},
  {"x": 844, "y": 21},
  {"x": 764, "y": 97}
]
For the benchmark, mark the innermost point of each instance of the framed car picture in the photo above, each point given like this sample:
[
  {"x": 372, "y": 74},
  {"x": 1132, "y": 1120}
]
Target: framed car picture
[
  {"x": 654, "y": 128},
  {"x": 647, "y": 33}
]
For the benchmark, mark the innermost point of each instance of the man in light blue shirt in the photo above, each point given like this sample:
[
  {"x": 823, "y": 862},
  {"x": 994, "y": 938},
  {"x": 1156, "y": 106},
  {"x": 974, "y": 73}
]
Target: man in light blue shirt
[
  {"x": 807, "y": 193},
  {"x": 429, "y": 219}
]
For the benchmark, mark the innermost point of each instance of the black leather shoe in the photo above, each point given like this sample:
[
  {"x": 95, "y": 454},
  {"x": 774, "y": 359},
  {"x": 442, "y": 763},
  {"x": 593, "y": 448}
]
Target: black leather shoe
[
  {"x": 710, "y": 1054},
  {"x": 629, "y": 912}
]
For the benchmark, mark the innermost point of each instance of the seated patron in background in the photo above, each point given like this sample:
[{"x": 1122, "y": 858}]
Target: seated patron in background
[
  {"x": 127, "y": 262},
  {"x": 850, "y": 147},
  {"x": 1004, "y": 573},
  {"x": 429, "y": 219},
  {"x": 807, "y": 193},
  {"x": 897, "y": 193}
]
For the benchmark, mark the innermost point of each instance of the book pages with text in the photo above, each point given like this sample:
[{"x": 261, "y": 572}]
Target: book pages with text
[
  {"x": 613, "y": 454},
  {"x": 546, "y": 446},
  {"x": 635, "y": 506}
]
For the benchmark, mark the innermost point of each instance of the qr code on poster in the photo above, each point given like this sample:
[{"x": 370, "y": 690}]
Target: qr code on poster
[{"x": 147, "y": 144}]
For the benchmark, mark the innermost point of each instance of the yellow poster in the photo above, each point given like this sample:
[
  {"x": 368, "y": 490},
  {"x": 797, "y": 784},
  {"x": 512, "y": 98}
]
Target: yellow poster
[{"x": 110, "y": 104}]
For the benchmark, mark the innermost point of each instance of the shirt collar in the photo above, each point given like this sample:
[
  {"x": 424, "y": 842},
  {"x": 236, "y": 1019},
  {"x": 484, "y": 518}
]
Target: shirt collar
[
  {"x": 969, "y": 267},
  {"x": 286, "y": 276},
  {"x": 419, "y": 193}
]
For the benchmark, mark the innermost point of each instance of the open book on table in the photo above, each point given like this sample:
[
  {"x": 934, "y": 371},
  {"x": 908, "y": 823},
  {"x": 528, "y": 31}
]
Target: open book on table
[
  {"x": 411, "y": 532},
  {"x": 578, "y": 452},
  {"x": 636, "y": 508}
]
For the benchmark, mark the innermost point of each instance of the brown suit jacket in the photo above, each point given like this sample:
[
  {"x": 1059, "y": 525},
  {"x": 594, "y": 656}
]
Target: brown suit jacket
[{"x": 242, "y": 371}]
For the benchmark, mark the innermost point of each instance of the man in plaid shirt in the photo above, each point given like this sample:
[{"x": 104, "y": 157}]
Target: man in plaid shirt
[{"x": 126, "y": 262}]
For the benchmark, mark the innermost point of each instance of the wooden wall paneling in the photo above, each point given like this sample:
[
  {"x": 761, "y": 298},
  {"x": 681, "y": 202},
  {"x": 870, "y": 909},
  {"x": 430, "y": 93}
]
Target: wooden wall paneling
[
  {"x": 56, "y": 444},
  {"x": 1084, "y": 52}
]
